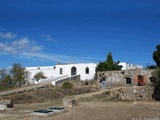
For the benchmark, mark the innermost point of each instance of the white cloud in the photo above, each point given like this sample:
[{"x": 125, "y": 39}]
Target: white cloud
[
  {"x": 48, "y": 37},
  {"x": 59, "y": 58},
  {"x": 23, "y": 45},
  {"x": 25, "y": 48},
  {"x": 7, "y": 35}
]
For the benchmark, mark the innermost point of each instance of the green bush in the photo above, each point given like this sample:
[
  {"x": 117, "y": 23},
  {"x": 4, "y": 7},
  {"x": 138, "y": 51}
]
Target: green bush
[{"x": 67, "y": 85}]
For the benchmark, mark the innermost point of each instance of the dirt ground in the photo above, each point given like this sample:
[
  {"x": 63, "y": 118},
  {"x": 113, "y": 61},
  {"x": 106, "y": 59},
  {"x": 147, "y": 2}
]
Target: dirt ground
[
  {"x": 88, "y": 108},
  {"x": 91, "y": 110}
]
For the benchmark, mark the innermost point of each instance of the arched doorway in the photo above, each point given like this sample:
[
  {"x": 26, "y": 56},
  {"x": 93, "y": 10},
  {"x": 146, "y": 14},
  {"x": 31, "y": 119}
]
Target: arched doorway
[
  {"x": 73, "y": 71},
  {"x": 140, "y": 80},
  {"x": 128, "y": 80}
]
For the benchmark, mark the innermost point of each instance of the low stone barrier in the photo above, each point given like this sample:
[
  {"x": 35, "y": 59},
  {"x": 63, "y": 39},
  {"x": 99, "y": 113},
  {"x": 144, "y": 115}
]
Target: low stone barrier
[
  {"x": 6, "y": 104},
  {"x": 69, "y": 102}
]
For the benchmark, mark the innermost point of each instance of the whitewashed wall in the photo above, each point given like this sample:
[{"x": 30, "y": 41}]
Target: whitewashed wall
[
  {"x": 81, "y": 70},
  {"x": 124, "y": 65},
  {"x": 48, "y": 71},
  {"x": 54, "y": 71}
]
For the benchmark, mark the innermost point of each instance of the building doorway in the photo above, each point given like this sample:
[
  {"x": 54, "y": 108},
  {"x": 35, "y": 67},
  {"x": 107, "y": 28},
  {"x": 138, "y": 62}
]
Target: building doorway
[
  {"x": 128, "y": 80},
  {"x": 73, "y": 71},
  {"x": 140, "y": 80}
]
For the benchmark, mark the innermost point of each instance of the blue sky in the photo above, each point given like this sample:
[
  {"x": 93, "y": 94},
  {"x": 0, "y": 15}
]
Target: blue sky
[{"x": 47, "y": 32}]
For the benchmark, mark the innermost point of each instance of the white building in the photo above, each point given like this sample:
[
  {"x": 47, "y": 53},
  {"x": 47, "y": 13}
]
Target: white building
[
  {"x": 85, "y": 70},
  {"x": 127, "y": 66},
  {"x": 132, "y": 66}
]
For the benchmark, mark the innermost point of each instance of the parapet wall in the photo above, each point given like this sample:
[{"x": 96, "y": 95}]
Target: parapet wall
[{"x": 138, "y": 77}]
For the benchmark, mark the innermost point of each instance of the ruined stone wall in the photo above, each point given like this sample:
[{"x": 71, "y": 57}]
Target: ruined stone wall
[
  {"x": 133, "y": 93},
  {"x": 125, "y": 77}
]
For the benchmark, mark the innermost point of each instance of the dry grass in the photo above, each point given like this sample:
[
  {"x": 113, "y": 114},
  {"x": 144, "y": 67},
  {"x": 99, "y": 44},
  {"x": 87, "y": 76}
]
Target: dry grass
[{"x": 47, "y": 94}]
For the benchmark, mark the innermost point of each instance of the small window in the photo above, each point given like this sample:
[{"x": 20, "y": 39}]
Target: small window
[
  {"x": 54, "y": 67},
  {"x": 87, "y": 70},
  {"x": 61, "y": 71},
  {"x": 38, "y": 68}
]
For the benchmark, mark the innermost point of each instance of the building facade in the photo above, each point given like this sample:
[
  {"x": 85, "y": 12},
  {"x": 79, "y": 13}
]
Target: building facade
[
  {"x": 85, "y": 70},
  {"x": 126, "y": 66}
]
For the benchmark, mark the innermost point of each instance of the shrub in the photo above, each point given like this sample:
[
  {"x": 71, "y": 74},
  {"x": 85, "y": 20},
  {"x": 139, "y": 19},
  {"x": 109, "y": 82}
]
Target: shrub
[{"x": 67, "y": 85}]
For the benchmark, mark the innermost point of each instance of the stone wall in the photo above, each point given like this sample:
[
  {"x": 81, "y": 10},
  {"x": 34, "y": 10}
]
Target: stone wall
[
  {"x": 134, "y": 93},
  {"x": 138, "y": 77}
]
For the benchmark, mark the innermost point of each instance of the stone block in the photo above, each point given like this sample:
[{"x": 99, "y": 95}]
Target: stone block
[
  {"x": 69, "y": 102},
  {"x": 3, "y": 107},
  {"x": 5, "y": 104}
]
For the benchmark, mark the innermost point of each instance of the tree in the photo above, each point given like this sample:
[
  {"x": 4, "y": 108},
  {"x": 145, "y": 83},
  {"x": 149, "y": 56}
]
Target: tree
[
  {"x": 27, "y": 76},
  {"x": 39, "y": 75},
  {"x": 151, "y": 67},
  {"x": 2, "y": 74},
  {"x": 109, "y": 64},
  {"x": 110, "y": 59},
  {"x": 6, "y": 83},
  {"x": 156, "y": 56},
  {"x": 101, "y": 66},
  {"x": 17, "y": 73},
  {"x": 156, "y": 73},
  {"x": 156, "y": 77}
]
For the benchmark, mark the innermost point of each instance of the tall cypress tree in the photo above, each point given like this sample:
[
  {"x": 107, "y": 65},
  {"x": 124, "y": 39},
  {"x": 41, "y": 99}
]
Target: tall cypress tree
[{"x": 110, "y": 59}]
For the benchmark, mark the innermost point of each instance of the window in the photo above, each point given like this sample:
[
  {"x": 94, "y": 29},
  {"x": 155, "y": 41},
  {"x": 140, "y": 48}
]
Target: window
[
  {"x": 73, "y": 71},
  {"x": 61, "y": 71},
  {"x": 38, "y": 68},
  {"x": 87, "y": 70}
]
